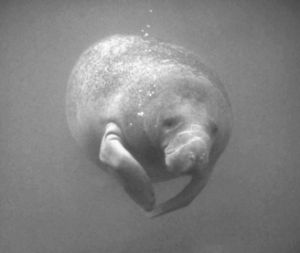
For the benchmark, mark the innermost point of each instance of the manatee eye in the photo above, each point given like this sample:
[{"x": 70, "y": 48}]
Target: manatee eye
[{"x": 170, "y": 122}]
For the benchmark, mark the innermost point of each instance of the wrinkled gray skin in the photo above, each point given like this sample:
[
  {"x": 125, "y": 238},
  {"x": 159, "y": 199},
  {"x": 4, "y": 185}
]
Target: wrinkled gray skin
[{"x": 148, "y": 111}]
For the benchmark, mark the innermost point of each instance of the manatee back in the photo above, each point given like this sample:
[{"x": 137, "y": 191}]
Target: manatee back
[
  {"x": 115, "y": 78},
  {"x": 91, "y": 85}
]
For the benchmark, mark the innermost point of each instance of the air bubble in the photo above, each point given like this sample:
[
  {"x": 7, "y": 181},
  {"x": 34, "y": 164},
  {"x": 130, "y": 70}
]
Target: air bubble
[{"x": 150, "y": 93}]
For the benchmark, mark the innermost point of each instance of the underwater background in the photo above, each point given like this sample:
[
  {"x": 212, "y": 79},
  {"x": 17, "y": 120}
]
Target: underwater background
[{"x": 52, "y": 199}]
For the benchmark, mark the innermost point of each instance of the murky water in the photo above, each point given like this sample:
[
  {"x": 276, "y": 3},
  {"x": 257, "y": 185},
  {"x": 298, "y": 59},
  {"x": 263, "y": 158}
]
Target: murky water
[{"x": 54, "y": 200}]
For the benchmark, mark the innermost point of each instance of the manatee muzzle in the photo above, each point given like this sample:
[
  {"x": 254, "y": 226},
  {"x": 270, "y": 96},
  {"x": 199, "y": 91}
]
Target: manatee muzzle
[{"x": 188, "y": 150}]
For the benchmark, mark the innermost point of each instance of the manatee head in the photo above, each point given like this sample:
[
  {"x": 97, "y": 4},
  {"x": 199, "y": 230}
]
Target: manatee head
[{"x": 190, "y": 121}]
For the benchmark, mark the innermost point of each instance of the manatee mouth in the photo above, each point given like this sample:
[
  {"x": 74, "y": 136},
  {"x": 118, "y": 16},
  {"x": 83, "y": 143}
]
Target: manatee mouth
[
  {"x": 189, "y": 150},
  {"x": 171, "y": 149}
]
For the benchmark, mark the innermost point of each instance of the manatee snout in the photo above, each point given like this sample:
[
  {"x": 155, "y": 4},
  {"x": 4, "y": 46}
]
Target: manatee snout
[{"x": 189, "y": 150}]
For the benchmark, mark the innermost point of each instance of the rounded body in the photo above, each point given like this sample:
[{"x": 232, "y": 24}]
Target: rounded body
[{"x": 143, "y": 86}]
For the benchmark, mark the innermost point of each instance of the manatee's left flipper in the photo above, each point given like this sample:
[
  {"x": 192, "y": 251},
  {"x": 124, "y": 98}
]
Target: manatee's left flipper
[
  {"x": 131, "y": 174},
  {"x": 182, "y": 199}
]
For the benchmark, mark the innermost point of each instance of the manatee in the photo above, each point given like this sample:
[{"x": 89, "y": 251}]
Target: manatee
[{"x": 148, "y": 111}]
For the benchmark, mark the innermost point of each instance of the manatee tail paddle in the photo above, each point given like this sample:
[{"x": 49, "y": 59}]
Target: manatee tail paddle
[{"x": 182, "y": 199}]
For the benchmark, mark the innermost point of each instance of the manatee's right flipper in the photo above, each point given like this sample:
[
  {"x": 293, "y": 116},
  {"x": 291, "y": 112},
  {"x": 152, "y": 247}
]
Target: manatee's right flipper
[{"x": 131, "y": 174}]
